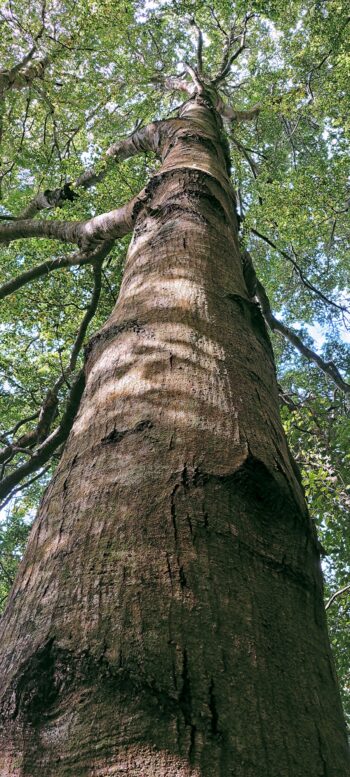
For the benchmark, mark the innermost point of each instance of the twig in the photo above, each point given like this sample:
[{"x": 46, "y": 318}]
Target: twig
[{"x": 298, "y": 269}]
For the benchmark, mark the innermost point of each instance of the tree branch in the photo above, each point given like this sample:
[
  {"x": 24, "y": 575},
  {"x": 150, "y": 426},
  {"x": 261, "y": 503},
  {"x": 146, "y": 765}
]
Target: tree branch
[
  {"x": 199, "y": 46},
  {"x": 49, "y": 407},
  {"x": 229, "y": 57},
  {"x": 256, "y": 289},
  {"x": 107, "y": 226},
  {"x": 46, "y": 449},
  {"x": 298, "y": 269},
  {"x": 24, "y": 485},
  {"x": 78, "y": 258},
  {"x": 19, "y": 76},
  {"x": 142, "y": 140},
  {"x": 174, "y": 83},
  {"x": 235, "y": 115},
  {"x": 336, "y": 594}
]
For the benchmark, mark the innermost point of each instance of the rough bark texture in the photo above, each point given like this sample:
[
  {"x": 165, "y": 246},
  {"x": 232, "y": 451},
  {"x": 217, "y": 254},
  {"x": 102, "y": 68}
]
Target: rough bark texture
[{"x": 168, "y": 618}]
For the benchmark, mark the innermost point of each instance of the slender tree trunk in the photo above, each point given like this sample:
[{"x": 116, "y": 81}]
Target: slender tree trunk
[{"x": 168, "y": 618}]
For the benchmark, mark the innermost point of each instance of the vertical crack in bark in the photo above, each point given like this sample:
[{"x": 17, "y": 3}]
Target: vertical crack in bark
[
  {"x": 325, "y": 772},
  {"x": 183, "y": 581},
  {"x": 185, "y": 704},
  {"x": 173, "y": 512},
  {"x": 169, "y": 570},
  {"x": 213, "y": 709}
]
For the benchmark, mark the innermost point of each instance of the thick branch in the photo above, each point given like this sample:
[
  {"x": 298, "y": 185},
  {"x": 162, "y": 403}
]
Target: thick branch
[
  {"x": 20, "y": 76},
  {"x": 107, "y": 226},
  {"x": 174, "y": 83},
  {"x": 235, "y": 115},
  {"x": 142, "y": 140},
  {"x": 67, "y": 231}
]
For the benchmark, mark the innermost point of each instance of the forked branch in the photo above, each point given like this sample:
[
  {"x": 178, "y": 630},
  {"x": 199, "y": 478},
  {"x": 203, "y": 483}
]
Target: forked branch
[
  {"x": 140, "y": 141},
  {"x": 49, "y": 409},
  {"x": 44, "y": 452},
  {"x": 79, "y": 258},
  {"x": 230, "y": 55},
  {"x": 256, "y": 289}
]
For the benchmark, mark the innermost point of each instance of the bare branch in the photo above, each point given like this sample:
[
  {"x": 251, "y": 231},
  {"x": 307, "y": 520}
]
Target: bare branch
[
  {"x": 336, "y": 594},
  {"x": 106, "y": 226},
  {"x": 174, "y": 83},
  {"x": 19, "y": 76},
  {"x": 298, "y": 269},
  {"x": 199, "y": 47},
  {"x": 78, "y": 258},
  {"x": 256, "y": 290},
  {"x": 199, "y": 86},
  {"x": 230, "y": 56},
  {"x": 235, "y": 115},
  {"x": 67, "y": 231},
  {"x": 47, "y": 448}
]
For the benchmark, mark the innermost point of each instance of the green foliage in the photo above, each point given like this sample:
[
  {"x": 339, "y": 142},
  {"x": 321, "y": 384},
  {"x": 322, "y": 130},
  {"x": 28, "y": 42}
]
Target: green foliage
[{"x": 291, "y": 172}]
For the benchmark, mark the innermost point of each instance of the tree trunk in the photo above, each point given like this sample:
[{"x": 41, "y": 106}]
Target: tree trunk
[{"x": 167, "y": 619}]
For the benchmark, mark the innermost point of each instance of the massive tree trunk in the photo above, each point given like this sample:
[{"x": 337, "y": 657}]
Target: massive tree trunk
[{"x": 168, "y": 618}]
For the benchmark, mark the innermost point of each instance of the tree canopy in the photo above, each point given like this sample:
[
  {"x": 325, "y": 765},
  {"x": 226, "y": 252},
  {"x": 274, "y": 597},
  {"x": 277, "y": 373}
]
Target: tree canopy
[{"x": 79, "y": 84}]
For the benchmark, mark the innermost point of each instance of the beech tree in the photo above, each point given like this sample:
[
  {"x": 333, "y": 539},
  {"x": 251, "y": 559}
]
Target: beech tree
[{"x": 167, "y": 617}]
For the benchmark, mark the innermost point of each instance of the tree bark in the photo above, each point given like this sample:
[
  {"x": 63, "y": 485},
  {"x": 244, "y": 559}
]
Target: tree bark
[{"x": 168, "y": 619}]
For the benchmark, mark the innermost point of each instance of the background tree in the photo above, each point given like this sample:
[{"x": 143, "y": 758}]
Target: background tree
[{"x": 78, "y": 80}]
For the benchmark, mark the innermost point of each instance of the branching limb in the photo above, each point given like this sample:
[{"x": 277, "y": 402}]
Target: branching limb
[
  {"x": 298, "y": 269},
  {"x": 142, "y": 140},
  {"x": 199, "y": 86},
  {"x": 21, "y": 76},
  {"x": 174, "y": 83},
  {"x": 78, "y": 258},
  {"x": 49, "y": 408},
  {"x": 107, "y": 226},
  {"x": 44, "y": 452},
  {"x": 230, "y": 56},
  {"x": 235, "y": 115},
  {"x": 256, "y": 289},
  {"x": 336, "y": 594},
  {"x": 199, "y": 47}
]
